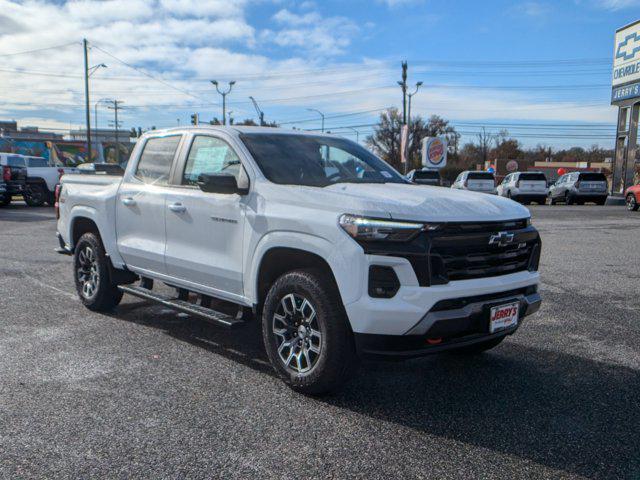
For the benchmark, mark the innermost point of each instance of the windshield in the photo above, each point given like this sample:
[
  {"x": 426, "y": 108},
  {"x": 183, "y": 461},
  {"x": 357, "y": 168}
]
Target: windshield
[
  {"x": 533, "y": 176},
  {"x": 316, "y": 161},
  {"x": 37, "y": 162},
  {"x": 593, "y": 177},
  {"x": 426, "y": 175},
  {"x": 480, "y": 176}
]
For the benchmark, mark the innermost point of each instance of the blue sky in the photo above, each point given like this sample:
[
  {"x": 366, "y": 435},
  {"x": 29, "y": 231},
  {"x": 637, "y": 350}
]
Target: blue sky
[{"x": 541, "y": 69}]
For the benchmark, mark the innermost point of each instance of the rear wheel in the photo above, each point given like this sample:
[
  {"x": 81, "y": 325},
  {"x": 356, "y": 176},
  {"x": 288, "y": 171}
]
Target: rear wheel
[
  {"x": 34, "y": 195},
  {"x": 632, "y": 203},
  {"x": 92, "y": 276},
  {"x": 601, "y": 201},
  {"x": 480, "y": 347},
  {"x": 568, "y": 199},
  {"x": 306, "y": 334}
]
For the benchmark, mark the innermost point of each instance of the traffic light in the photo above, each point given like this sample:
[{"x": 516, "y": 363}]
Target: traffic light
[{"x": 194, "y": 119}]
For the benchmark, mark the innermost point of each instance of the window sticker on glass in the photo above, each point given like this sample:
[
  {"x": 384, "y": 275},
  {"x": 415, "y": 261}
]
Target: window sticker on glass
[{"x": 385, "y": 174}]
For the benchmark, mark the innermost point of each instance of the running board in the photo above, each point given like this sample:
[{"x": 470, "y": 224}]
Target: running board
[{"x": 208, "y": 314}]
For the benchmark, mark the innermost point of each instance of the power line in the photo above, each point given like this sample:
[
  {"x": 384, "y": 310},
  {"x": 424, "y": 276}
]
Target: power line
[
  {"x": 146, "y": 74},
  {"x": 25, "y": 52}
]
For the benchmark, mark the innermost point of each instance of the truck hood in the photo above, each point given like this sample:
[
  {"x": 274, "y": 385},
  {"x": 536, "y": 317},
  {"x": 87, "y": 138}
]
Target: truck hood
[{"x": 420, "y": 202}]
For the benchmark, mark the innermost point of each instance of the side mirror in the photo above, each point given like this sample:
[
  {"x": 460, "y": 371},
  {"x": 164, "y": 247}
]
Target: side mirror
[{"x": 214, "y": 183}]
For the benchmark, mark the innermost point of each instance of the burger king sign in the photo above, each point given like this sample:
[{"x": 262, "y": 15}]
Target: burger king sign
[{"x": 434, "y": 152}]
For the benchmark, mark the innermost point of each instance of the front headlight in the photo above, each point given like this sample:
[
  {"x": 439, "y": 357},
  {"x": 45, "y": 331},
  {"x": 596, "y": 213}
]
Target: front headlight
[{"x": 373, "y": 229}]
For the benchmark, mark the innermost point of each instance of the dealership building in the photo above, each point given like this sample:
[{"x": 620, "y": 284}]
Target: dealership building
[{"x": 625, "y": 95}]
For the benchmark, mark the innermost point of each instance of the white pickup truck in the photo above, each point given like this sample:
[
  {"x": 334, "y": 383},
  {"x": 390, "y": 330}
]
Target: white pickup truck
[
  {"x": 42, "y": 177},
  {"x": 325, "y": 246}
]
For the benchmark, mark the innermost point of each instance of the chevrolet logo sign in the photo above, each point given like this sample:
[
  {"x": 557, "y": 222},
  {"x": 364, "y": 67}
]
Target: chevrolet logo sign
[{"x": 502, "y": 239}]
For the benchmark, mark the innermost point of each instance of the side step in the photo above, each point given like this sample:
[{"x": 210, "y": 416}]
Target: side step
[{"x": 208, "y": 314}]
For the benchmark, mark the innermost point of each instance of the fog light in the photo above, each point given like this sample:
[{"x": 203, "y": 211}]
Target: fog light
[{"x": 383, "y": 282}]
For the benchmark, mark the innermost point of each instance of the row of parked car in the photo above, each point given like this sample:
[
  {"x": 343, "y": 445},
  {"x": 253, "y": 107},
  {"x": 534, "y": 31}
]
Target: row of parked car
[
  {"x": 33, "y": 178},
  {"x": 527, "y": 187}
]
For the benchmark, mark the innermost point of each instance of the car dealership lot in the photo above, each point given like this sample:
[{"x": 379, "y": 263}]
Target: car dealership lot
[{"x": 146, "y": 392}]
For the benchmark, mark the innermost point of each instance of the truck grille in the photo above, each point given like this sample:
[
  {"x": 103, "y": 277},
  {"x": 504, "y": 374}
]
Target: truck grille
[
  {"x": 467, "y": 251},
  {"x": 463, "y": 251}
]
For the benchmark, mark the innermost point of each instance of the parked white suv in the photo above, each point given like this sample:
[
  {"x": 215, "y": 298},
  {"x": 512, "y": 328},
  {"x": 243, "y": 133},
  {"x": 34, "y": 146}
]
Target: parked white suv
[
  {"x": 525, "y": 187},
  {"x": 317, "y": 240},
  {"x": 475, "y": 181}
]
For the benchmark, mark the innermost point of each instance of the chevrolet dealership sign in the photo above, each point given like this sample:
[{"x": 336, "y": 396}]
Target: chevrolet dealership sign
[{"x": 626, "y": 63}]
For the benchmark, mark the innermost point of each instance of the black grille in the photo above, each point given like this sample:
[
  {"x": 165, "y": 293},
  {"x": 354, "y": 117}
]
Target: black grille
[{"x": 462, "y": 251}]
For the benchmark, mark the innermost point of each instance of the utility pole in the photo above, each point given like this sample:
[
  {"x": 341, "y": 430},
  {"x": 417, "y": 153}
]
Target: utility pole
[
  {"x": 403, "y": 85},
  {"x": 258, "y": 111},
  {"x": 321, "y": 114},
  {"x": 224, "y": 98},
  {"x": 116, "y": 105},
  {"x": 86, "y": 96}
]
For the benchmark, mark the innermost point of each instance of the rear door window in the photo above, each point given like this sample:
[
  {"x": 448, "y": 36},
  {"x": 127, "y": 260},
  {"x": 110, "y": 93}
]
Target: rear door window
[
  {"x": 37, "y": 162},
  {"x": 156, "y": 159}
]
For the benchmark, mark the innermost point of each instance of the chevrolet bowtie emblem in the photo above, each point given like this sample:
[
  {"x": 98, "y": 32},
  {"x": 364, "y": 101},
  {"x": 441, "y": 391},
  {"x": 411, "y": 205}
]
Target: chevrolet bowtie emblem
[{"x": 501, "y": 239}]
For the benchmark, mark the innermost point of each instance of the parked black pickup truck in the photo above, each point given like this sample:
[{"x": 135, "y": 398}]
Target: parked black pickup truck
[{"x": 14, "y": 177}]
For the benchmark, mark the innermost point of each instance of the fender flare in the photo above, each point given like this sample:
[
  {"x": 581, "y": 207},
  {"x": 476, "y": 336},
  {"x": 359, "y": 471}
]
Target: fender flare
[
  {"x": 298, "y": 241},
  {"x": 91, "y": 213}
]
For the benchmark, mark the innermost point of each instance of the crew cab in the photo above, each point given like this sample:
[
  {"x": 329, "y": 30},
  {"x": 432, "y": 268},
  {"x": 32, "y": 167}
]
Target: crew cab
[
  {"x": 525, "y": 187},
  {"x": 14, "y": 177},
  {"x": 319, "y": 242}
]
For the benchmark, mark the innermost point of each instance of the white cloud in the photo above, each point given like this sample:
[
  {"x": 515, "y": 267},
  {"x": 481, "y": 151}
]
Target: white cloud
[
  {"x": 535, "y": 9},
  {"x": 312, "y": 32}
]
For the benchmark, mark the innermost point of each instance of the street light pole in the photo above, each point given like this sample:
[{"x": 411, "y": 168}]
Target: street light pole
[
  {"x": 95, "y": 120},
  {"x": 410, "y": 95},
  {"x": 224, "y": 98},
  {"x": 357, "y": 134},
  {"x": 321, "y": 114}
]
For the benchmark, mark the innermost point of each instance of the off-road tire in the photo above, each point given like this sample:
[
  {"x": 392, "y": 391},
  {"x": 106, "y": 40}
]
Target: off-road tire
[
  {"x": 337, "y": 359},
  {"x": 106, "y": 295},
  {"x": 35, "y": 195}
]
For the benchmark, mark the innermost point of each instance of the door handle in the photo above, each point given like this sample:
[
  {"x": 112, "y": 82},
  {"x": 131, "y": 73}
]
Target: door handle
[
  {"x": 177, "y": 207},
  {"x": 128, "y": 201}
]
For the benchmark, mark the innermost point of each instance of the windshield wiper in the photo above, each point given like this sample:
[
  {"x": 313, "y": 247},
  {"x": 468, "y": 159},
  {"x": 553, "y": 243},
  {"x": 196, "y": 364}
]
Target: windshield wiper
[{"x": 357, "y": 180}]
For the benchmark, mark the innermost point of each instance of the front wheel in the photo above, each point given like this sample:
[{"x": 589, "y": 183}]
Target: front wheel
[
  {"x": 5, "y": 200},
  {"x": 92, "y": 276},
  {"x": 306, "y": 333},
  {"x": 632, "y": 203}
]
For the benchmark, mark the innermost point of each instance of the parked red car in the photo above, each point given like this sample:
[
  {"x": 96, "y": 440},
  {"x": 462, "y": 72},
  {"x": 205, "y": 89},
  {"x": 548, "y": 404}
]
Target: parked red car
[{"x": 633, "y": 197}]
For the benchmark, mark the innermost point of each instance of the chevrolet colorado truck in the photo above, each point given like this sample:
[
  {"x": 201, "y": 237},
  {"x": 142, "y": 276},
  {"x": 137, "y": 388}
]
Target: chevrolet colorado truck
[{"x": 319, "y": 242}]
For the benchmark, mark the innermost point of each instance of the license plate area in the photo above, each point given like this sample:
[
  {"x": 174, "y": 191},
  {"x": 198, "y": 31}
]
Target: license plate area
[{"x": 504, "y": 316}]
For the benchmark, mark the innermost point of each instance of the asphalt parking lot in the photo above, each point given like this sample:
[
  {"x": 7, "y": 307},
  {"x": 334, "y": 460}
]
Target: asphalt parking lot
[{"x": 143, "y": 392}]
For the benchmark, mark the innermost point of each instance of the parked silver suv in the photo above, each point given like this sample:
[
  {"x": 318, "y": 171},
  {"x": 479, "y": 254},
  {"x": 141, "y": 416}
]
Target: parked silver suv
[{"x": 579, "y": 187}]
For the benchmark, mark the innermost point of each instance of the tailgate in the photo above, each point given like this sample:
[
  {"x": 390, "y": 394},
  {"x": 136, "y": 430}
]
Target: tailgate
[
  {"x": 480, "y": 184},
  {"x": 592, "y": 186},
  {"x": 533, "y": 185}
]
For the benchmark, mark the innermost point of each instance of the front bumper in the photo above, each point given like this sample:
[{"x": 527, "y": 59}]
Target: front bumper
[
  {"x": 448, "y": 325},
  {"x": 14, "y": 188},
  {"x": 529, "y": 197}
]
